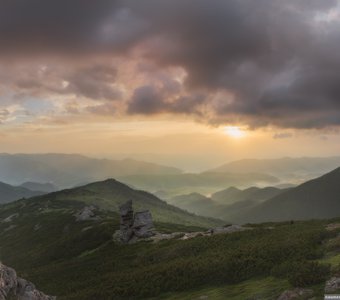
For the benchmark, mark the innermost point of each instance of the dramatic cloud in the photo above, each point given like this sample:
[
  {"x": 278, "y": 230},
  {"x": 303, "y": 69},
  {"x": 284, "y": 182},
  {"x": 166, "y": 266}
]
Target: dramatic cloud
[{"x": 259, "y": 63}]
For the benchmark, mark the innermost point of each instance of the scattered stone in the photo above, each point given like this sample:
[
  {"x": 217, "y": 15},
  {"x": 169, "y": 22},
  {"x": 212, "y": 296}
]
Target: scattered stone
[
  {"x": 10, "y": 218},
  {"x": 86, "y": 228},
  {"x": 13, "y": 287},
  {"x": 229, "y": 229},
  {"x": 37, "y": 227},
  {"x": 10, "y": 227},
  {"x": 298, "y": 293},
  {"x": 157, "y": 237},
  {"x": 191, "y": 235},
  {"x": 332, "y": 285},
  {"x": 86, "y": 214},
  {"x": 333, "y": 226}
]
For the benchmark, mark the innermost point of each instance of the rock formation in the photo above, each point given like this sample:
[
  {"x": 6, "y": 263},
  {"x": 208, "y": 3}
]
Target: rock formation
[
  {"x": 332, "y": 285},
  {"x": 133, "y": 226},
  {"x": 142, "y": 224},
  {"x": 86, "y": 214},
  {"x": 13, "y": 287},
  {"x": 298, "y": 293}
]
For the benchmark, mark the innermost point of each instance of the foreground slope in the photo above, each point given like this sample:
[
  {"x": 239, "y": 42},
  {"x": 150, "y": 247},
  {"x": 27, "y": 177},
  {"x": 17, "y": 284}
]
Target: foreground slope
[
  {"x": 9, "y": 193},
  {"x": 318, "y": 198},
  {"x": 79, "y": 260}
]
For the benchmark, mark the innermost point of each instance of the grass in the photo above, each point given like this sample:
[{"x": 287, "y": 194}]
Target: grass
[
  {"x": 79, "y": 260},
  {"x": 268, "y": 288}
]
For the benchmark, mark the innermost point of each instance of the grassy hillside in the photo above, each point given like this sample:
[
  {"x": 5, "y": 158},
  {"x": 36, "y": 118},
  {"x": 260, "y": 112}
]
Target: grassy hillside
[
  {"x": 109, "y": 194},
  {"x": 10, "y": 193},
  {"x": 79, "y": 260},
  {"x": 318, "y": 198}
]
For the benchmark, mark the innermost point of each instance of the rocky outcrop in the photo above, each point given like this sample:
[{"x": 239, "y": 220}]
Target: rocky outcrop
[
  {"x": 133, "y": 227},
  {"x": 190, "y": 235},
  {"x": 298, "y": 293},
  {"x": 13, "y": 287},
  {"x": 332, "y": 285},
  {"x": 86, "y": 214}
]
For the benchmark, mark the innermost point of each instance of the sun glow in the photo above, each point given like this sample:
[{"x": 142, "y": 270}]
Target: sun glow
[{"x": 234, "y": 132}]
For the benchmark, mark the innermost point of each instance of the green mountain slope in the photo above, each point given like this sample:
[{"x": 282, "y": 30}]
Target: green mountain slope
[
  {"x": 109, "y": 194},
  {"x": 79, "y": 261},
  {"x": 318, "y": 198},
  {"x": 10, "y": 193}
]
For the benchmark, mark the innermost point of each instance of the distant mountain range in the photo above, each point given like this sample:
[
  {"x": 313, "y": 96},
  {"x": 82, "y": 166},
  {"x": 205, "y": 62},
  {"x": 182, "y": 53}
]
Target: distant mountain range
[
  {"x": 291, "y": 169},
  {"x": 67, "y": 170},
  {"x": 9, "y": 193},
  {"x": 318, "y": 198},
  {"x": 41, "y": 187},
  {"x": 204, "y": 183}
]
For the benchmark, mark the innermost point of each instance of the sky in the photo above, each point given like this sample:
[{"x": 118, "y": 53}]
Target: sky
[{"x": 192, "y": 83}]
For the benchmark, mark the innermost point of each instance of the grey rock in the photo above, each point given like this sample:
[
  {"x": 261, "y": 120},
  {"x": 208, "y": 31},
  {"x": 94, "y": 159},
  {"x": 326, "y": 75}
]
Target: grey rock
[
  {"x": 228, "y": 229},
  {"x": 133, "y": 226},
  {"x": 10, "y": 218},
  {"x": 298, "y": 293},
  {"x": 332, "y": 285},
  {"x": 142, "y": 224},
  {"x": 126, "y": 222},
  {"x": 86, "y": 214},
  {"x": 18, "y": 288}
]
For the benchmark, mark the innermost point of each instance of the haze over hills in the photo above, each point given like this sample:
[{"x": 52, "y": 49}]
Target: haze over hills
[
  {"x": 202, "y": 183},
  {"x": 9, "y": 193},
  {"x": 67, "y": 170},
  {"x": 290, "y": 169},
  {"x": 316, "y": 199},
  {"x": 42, "y": 187},
  {"x": 232, "y": 194},
  {"x": 225, "y": 203}
]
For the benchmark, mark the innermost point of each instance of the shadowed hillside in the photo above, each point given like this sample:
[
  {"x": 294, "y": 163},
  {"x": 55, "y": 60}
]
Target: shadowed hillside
[
  {"x": 10, "y": 193},
  {"x": 318, "y": 198}
]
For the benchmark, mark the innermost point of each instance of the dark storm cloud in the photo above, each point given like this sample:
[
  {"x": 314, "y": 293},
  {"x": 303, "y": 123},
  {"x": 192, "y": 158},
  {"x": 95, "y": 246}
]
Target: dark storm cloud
[{"x": 276, "y": 61}]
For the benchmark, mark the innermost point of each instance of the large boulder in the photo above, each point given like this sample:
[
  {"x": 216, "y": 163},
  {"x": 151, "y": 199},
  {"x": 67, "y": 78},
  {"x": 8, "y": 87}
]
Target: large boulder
[
  {"x": 133, "y": 226},
  {"x": 13, "y": 287},
  {"x": 142, "y": 224},
  {"x": 87, "y": 214}
]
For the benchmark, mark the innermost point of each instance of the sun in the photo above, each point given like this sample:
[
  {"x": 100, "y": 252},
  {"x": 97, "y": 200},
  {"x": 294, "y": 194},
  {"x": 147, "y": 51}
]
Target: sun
[{"x": 234, "y": 132}]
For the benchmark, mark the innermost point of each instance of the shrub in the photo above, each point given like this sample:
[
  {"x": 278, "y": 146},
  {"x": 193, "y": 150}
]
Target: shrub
[{"x": 308, "y": 273}]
